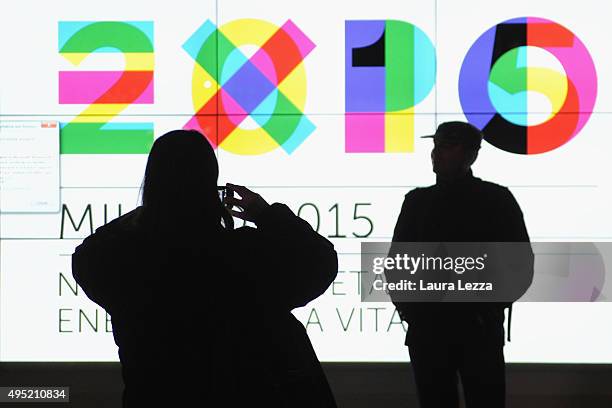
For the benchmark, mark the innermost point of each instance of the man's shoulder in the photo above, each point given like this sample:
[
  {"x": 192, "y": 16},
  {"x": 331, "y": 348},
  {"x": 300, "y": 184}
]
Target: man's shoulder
[
  {"x": 486, "y": 187},
  {"x": 419, "y": 192},
  {"x": 491, "y": 187}
]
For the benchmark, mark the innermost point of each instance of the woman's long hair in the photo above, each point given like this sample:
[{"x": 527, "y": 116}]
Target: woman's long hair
[{"x": 179, "y": 192}]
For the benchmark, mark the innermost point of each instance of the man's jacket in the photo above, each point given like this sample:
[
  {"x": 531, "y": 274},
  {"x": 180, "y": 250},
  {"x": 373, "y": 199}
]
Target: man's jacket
[{"x": 465, "y": 210}]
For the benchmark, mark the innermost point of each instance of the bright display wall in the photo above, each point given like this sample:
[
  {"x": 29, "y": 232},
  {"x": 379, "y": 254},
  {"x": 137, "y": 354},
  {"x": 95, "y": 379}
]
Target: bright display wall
[{"x": 316, "y": 104}]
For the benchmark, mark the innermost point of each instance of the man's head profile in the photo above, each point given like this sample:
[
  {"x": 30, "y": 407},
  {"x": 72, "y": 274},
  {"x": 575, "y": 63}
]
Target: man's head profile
[{"x": 456, "y": 146}]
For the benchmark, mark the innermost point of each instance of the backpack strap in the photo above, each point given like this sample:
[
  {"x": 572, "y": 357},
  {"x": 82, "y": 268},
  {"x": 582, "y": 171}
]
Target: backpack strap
[{"x": 509, "y": 321}]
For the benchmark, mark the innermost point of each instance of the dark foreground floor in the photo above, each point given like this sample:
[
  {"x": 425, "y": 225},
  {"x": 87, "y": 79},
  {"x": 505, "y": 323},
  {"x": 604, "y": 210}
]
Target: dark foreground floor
[{"x": 97, "y": 385}]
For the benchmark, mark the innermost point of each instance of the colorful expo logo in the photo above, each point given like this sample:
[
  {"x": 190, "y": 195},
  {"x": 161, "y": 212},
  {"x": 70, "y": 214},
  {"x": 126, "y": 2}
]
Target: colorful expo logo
[
  {"x": 106, "y": 93},
  {"x": 268, "y": 87},
  {"x": 528, "y": 83},
  {"x": 390, "y": 68},
  {"x": 497, "y": 85}
]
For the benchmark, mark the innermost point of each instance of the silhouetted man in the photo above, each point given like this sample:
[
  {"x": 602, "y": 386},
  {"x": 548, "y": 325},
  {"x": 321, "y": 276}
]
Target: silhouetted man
[{"x": 465, "y": 338}]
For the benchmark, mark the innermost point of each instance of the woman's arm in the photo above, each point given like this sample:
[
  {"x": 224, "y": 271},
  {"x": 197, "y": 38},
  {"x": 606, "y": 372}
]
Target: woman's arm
[
  {"x": 104, "y": 263},
  {"x": 292, "y": 263}
]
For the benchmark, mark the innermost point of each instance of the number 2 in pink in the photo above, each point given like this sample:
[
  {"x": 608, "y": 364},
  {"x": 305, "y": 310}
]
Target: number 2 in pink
[{"x": 107, "y": 93}]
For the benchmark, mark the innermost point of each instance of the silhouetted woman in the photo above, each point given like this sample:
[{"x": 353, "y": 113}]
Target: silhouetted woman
[{"x": 201, "y": 312}]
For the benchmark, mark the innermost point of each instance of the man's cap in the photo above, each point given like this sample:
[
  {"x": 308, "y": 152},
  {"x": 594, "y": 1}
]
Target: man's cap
[{"x": 458, "y": 132}]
